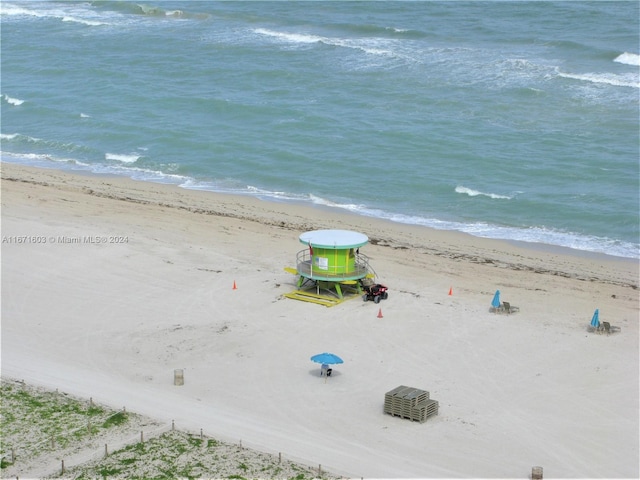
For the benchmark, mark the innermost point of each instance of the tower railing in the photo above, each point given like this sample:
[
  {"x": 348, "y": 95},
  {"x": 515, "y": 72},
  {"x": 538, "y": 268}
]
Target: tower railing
[{"x": 361, "y": 268}]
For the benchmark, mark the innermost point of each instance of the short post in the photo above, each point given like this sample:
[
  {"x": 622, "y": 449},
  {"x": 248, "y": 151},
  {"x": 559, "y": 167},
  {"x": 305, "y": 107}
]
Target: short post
[
  {"x": 279, "y": 457},
  {"x": 319, "y": 469},
  {"x": 124, "y": 409},
  {"x": 173, "y": 425},
  {"x": 53, "y": 442},
  {"x": 106, "y": 452},
  {"x": 13, "y": 455},
  {"x": 240, "y": 444},
  {"x": 536, "y": 473},
  {"x": 141, "y": 437},
  {"x": 62, "y": 471},
  {"x": 90, "y": 401},
  {"x": 178, "y": 376},
  {"x": 201, "y": 436}
]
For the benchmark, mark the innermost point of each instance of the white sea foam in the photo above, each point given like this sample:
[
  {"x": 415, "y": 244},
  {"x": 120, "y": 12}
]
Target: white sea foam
[
  {"x": 617, "y": 80},
  {"x": 91, "y": 23},
  {"x": 9, "y": 9},
  {"x": 369, "y": 45},
  {"x": 539, "y": 235},
  {"x": 628, "y": 59},
  {"x": 42, "y": 160},
  {"x": 130, "y": 158},
  {"x": 290, "y": 37},
  {"x": 142, "y": 174},
  {"x": 475, "y": 193},
  {"x": 352, "y": 207},
  {"x": 13, "y": 101},
  {"x": 19, "y": 136},
  {"x": 51, "y": 144},
  {"x": 84, "y": 115},
  {"x": 76, "y": 13}
]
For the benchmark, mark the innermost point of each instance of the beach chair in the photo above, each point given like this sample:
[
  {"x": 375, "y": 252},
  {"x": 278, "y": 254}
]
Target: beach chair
[
  {"x": 605, "y": 327},
  {"x": 508, "y": 308}
]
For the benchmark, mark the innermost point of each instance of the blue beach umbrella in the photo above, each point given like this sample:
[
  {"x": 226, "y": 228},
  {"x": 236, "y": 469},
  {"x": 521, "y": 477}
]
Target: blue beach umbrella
[
  {"x": 495, "y": 303},
  {"x": 326, "y": 358},
  {"x": 595, "y": 321}
]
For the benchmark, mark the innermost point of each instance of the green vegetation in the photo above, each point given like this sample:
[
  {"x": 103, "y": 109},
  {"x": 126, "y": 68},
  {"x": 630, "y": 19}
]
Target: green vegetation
[
  {"x": 36, "y": 421},
  {"x": 38, "y": 424},
  {"x": 115, "y": 419}
]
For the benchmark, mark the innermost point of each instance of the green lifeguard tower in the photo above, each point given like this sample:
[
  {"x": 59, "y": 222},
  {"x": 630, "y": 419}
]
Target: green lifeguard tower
[{"x": 330, "y": 267}]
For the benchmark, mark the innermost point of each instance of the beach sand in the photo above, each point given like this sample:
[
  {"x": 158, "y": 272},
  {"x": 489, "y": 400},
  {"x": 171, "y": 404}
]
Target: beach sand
[{"x": 112, "y": 319}]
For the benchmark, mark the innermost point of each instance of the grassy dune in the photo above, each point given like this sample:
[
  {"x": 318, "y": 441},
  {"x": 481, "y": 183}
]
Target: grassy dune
[{"x": 41, "y": 428}]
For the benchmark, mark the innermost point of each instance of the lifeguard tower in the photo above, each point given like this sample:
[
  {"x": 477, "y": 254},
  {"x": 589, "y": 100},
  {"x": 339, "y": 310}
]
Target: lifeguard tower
[{"x": 330, "y": 267}]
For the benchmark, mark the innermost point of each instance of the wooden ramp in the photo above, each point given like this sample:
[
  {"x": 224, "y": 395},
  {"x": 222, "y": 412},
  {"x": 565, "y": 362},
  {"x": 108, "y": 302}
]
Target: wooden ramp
[
  {"x": 306, "y": 296},
  {"x": 336, "y": 292}
]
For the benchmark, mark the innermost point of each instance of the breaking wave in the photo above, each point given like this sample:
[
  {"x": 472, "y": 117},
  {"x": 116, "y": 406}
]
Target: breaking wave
[
  {"x": 13, "y": 101},
  {"x": 130, "y": 158},
  {"x": 628, "y": 59},
  {"x": 476, "y": 193},
  {"x": 623, "y": 80}
]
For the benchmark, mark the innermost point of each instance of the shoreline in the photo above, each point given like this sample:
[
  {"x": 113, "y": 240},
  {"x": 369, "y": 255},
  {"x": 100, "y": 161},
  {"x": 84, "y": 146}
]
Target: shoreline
[
  {"x": 112, "y": 321},
  {"x": 551, "y": 248},
  {"x": 380, "y": 231}
]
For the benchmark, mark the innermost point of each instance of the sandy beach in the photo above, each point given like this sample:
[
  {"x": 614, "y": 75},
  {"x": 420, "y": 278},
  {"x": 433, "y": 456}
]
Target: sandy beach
[{"x": 109, "y": 285}]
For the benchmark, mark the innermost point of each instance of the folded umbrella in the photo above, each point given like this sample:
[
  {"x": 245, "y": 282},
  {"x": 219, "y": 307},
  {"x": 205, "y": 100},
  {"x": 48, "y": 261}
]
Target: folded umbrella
[{"x": 495, "y": 303}]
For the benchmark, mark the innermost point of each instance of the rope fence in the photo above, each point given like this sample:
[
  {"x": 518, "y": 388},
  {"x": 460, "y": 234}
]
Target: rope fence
[
  {"x": 107, "y": 449},
  {"x": 155, "y": 433}
]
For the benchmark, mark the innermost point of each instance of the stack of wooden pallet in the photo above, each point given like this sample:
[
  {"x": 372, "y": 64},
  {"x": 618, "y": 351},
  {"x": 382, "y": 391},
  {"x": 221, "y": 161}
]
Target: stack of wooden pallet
[{"x": 410, "y": 403}]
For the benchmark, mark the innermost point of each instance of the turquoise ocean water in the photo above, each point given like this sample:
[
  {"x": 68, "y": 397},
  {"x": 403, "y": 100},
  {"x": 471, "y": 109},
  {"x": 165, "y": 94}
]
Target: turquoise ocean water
[{"x": 512, "y": 120}]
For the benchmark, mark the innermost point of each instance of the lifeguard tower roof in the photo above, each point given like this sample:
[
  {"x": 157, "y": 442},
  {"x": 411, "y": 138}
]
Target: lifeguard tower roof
[{"x": 334, "y": 239}]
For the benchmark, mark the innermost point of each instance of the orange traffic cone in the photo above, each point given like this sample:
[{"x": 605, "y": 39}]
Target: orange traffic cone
[
  {"x": 450, "y": 290},
  {"x": 234, "y": 285},
  {"x": 380, "y": 313}
]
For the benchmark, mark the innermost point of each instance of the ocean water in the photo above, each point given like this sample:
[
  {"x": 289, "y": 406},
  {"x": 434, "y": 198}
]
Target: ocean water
[{"x": 511, "y": 120}]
